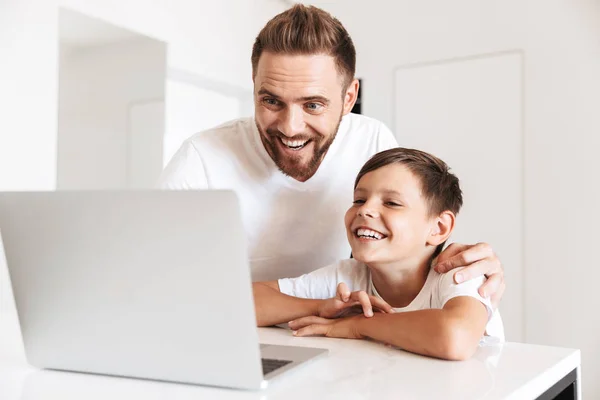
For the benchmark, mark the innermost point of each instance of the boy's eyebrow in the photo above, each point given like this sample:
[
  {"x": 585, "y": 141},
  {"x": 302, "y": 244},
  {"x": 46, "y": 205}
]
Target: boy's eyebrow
[
  {"x": 322, "y": 99},
  {"x": 384, "y": 191},
  {"x": 389, "y": 192}
]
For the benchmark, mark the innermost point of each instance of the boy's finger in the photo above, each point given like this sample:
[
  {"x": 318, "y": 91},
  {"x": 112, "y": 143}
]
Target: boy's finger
[
  {"x": 306, "y": 321},
  {"x": 365, "y": 302},
  {"x": 311, "y": 330},
  {"x": 343, "y": 292},
  {"x": 381, "y": 305}
]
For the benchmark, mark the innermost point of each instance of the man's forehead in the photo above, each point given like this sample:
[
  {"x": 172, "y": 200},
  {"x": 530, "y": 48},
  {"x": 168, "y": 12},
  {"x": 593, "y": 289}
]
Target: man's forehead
[{"x": 294, "y": 72}]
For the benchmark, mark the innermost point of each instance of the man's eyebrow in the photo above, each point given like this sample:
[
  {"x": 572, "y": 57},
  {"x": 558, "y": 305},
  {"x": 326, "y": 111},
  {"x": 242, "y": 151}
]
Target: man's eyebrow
[
  {"x": 322, "y": 99},
  {"x": 265, "y": 91}
]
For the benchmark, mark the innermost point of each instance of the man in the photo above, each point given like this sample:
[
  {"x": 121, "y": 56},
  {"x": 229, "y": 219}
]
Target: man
[{"x": 293, "y": 165}]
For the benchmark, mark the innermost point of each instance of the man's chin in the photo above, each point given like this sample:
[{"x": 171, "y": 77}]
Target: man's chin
[{"x": 300, "y": 172}]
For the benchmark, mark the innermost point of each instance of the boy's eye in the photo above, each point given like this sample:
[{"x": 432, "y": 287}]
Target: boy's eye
[
  {"x": 394, "y": 204},
  {"x": 358, "y": 201}
]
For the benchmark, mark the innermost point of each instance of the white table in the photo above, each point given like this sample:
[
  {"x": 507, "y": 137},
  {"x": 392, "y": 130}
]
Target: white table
[{"x": 354, "y": 369}]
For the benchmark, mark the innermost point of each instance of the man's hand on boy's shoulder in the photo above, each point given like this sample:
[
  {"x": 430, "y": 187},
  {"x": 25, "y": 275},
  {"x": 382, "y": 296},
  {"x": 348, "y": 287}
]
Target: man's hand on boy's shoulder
[
  {"x": 478, "y": 259},
  {"x": 346, "y": 302}
]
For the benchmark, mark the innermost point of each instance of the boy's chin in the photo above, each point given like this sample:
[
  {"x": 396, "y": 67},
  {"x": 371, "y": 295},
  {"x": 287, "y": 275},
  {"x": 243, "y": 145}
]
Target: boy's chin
[{"x": 365, "y": 258}]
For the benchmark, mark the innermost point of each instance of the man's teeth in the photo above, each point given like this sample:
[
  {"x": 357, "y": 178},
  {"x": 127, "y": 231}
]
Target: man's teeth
[
  {"x": 368, "y": 233},
  {"x": 294, "y": 144}
]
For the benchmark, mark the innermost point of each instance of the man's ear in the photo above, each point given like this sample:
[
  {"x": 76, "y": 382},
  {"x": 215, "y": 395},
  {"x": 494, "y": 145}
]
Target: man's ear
[
  {"x": 350, "y": 96},
  {"x": 442, "y": 227}
]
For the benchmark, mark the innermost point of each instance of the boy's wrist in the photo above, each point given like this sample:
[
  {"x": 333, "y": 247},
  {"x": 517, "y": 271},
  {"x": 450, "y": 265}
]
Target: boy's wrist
[
  {"x": 364, "y": 326},
  {"x": 317, "y": 306}
]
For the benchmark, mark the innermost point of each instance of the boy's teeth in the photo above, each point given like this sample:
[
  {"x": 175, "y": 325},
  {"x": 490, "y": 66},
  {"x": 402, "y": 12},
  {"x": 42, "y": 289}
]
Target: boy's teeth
[{"x": 369, "y": 233}]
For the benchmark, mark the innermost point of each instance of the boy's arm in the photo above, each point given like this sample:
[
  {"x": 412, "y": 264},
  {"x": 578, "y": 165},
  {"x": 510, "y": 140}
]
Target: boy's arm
[
  {"x": 451, "y": 333},
  {"x": 273, "y": 307}
]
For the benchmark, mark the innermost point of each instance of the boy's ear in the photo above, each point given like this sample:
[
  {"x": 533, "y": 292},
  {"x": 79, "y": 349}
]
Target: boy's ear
[{"x": 442, "y": 227}]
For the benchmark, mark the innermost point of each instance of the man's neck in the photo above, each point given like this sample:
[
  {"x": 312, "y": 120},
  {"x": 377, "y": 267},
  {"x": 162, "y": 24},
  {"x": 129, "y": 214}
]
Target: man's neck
[{"x": 400, "y": 283}]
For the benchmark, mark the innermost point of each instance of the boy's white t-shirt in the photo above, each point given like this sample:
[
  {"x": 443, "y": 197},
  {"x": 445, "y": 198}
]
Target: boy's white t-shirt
[
  {"x": 438, "y": 289},
  {"x": 292, "y": 227}
]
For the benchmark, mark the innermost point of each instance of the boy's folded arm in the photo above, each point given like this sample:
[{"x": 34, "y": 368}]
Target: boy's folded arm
[
  {"x": 451, "y": 333},
  {"x": 273, "y": 307}
]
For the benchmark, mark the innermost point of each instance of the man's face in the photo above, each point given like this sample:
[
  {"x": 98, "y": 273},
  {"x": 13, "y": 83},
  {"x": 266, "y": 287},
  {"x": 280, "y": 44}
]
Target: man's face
[
  {"x": 299, "y": 102},
  {"x": 389, "y": 220}
]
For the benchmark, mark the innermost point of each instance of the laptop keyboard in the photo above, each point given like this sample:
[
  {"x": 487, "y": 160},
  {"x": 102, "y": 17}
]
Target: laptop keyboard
[{"x": 271, "y": 364}]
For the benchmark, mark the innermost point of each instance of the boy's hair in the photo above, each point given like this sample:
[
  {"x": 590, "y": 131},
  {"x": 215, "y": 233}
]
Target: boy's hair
[
  {"x": 307, "y": 30},
  {"x": 439, "y": 186}
]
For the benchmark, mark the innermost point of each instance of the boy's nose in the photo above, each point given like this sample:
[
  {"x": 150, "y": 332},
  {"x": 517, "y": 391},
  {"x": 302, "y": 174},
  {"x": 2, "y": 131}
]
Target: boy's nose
[{"x": 367, "y": 212}]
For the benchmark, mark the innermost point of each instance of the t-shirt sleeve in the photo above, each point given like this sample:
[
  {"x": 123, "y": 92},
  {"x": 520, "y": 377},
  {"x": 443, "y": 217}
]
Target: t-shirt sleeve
[
  {"x": 185, "y": 170},
  {"x": 448, "y": 289},
  {"x": 322, "y": 283},
  {"x": 386, "y": 139}
]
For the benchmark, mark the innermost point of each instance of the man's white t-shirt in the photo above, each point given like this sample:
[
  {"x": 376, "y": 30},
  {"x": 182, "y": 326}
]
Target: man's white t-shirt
[
  {"x": 438, "y": 289},
  {"x": 292, "y": 227}
]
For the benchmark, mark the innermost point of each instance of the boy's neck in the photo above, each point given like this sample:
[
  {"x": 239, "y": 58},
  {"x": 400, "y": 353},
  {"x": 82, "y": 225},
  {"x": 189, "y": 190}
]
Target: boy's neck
[{"x": 398, "y": 284}]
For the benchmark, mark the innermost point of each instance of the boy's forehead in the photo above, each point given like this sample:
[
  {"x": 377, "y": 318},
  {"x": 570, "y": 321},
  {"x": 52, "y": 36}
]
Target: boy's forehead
[{"x": 391, "y": 179}]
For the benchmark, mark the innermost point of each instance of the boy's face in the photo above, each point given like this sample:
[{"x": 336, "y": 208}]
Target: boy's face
[{"x": 389, "y": 220}]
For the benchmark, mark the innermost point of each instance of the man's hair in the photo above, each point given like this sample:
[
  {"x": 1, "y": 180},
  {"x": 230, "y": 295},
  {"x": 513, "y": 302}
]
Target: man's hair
[
  {"x": 439, "y": 186},
  {"x": 307, "y": 30}
]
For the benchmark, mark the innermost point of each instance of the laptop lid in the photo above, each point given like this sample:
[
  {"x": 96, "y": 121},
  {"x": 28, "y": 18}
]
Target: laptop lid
[{"x": 147, "y": 284}]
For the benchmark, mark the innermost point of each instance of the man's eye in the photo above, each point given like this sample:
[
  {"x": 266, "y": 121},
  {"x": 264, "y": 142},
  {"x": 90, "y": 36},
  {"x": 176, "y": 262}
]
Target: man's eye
[
  {"x": 271, "y": 102},
  {"x": 314, "y": 106}
]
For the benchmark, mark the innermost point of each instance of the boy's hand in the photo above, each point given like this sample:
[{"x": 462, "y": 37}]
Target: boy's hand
[
  {"x": 345, "y": 302},
  {"x": 345, "y": 328}
]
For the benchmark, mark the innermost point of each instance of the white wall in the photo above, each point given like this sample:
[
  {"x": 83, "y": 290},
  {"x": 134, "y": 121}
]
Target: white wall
[
  {"x": 561, "y": 124},
  {"x": 99, "y": 87},
  {"x": 210, "y": 39}
]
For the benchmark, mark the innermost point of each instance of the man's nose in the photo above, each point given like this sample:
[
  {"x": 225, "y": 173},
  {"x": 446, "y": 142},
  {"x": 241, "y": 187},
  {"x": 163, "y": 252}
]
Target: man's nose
[{"x": 291, "y": 122}]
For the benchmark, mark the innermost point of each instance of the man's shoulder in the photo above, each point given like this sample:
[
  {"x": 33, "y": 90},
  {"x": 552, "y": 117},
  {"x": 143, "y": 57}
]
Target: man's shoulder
[
  {"x": 366, "y": 125},
  {"x": 228, "y": 132}
]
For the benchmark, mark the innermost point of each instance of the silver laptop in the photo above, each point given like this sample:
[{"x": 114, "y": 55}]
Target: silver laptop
[{"x": 146, "y": 284}]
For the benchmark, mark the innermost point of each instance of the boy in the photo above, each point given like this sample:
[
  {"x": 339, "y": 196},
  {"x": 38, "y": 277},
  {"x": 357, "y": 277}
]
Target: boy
[{"x": 404, "y": 210}]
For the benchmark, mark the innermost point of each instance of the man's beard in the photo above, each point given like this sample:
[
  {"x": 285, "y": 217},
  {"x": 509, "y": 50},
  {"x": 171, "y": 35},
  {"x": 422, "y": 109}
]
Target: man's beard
[{"x": 293, "y": 166}]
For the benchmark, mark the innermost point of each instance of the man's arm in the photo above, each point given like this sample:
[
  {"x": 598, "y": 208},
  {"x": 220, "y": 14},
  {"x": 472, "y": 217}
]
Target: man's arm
[
  {"x": 185, "y": 171},
  {"x": 273, "y": 307},
  {"x": 450, "y": 333}
]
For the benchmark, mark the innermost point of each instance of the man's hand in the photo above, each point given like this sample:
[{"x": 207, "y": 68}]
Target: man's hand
[
  {"x": 346, "y": 302},
  {"x": 345, "y": 328},
  {"x": 478, "y": 259}
]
